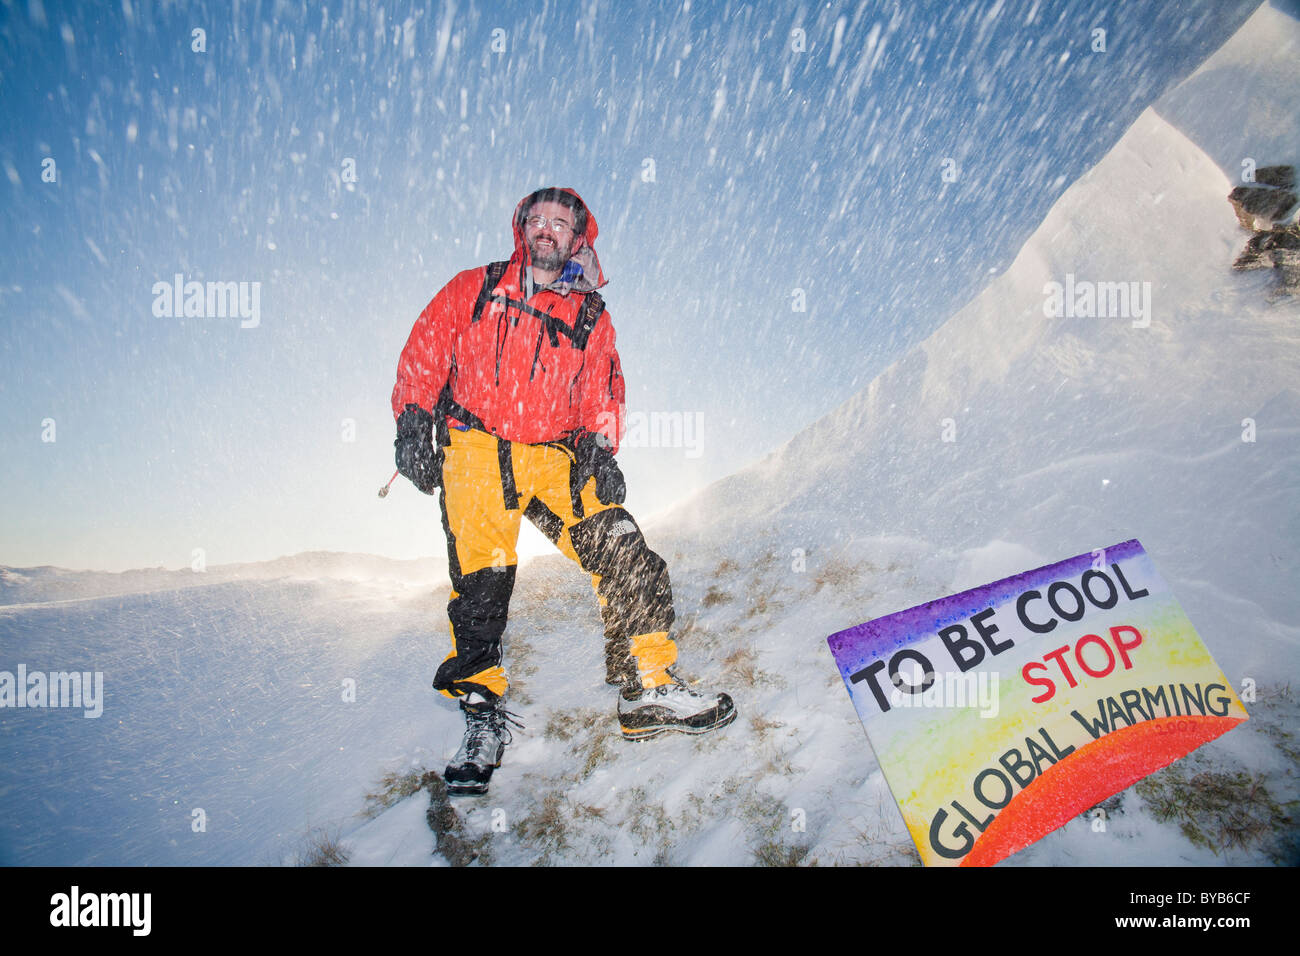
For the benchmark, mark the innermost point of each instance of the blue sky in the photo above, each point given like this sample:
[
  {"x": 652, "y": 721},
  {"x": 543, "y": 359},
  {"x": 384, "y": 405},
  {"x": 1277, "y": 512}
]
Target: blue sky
[{"x": 781, "y": 161}]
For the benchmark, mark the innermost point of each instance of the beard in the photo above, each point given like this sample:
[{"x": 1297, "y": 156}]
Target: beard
[{"x": 550, "y": 258}]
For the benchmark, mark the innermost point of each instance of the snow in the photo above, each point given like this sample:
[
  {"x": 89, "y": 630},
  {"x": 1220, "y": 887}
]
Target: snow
[
  {"x": 1252, "y": 81},
  {"x": 396, "y": 838},
  {"x": 224, "y": 689}
]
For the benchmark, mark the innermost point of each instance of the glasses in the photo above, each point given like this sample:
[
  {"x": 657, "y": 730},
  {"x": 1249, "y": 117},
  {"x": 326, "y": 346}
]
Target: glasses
[{"x": 539, "y": 222}]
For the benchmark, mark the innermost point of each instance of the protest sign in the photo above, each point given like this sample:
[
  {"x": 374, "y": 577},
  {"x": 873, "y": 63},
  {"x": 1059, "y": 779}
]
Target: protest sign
[{"x": 1000, "y": 713}]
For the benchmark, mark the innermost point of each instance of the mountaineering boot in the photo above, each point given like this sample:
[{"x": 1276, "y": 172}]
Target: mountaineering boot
[
  {"x": 486, "y": 737},
  {"x": 647, "y": 712}
]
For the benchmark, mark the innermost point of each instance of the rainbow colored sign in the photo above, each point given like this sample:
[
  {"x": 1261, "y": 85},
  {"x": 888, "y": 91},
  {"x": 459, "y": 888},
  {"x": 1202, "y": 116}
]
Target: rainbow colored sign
[{"x": 1001, "y": 713}]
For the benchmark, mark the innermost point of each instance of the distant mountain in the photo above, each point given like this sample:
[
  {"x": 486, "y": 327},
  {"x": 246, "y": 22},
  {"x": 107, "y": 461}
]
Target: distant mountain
[{"x": 45, "y": 583}]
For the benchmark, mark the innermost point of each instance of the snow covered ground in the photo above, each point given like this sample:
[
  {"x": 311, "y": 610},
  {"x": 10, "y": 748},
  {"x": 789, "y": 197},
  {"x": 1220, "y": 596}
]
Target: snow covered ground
[{"x": 1008, "y": 440}]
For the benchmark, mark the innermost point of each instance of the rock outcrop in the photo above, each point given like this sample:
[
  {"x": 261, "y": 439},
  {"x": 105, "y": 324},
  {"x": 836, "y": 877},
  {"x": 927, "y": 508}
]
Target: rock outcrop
[{"x": 1264, "y": 208}]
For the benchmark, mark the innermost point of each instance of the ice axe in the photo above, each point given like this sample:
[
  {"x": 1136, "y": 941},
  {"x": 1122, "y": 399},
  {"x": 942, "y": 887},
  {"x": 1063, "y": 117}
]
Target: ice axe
[{"x": 383, "y": 492}]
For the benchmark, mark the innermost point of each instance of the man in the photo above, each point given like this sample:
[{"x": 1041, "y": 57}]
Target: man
[{"x": 509, "y": 396}]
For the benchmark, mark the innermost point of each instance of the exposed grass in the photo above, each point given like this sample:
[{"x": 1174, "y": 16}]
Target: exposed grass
[
  {"x": 776, "y": 853},
  {"x": 563, "y": 831},
  {"x": 732, "y": 785},
  {"x": 591, "y": 738},
  {"x": 595, "y": 751},
  {"x": 546, "y": 828},
  {"x": 772, "y": 837},
  {"x": 559, "y": 727},
  {"x": 583, "y": 811},
  {"x": 840, "y": 575},
  {"x": 518, "y": 695},
  {"x": 763, "y": 727},
  {"x": 778, "y": 762},
  {"x": 1273, "y": 708},
  {"x": 650, "y": 823},
  {"x": 741, "y": 666},
  {"x": 690, "y": 631},
  {"x": 321, "y": 847},
  {"x": 1219, "y": 811},
  {"x": 567, "y": 725},
  {"x": 449, "y": 832},
  {"x": 393, "y": 787},
  {"x": 889, "y": 850},
  {"x": 714, "y": 596}
]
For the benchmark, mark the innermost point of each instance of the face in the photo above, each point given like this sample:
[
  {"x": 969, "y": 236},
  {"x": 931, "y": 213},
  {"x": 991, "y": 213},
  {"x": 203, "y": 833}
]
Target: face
[{"x": 549, "y": 247}]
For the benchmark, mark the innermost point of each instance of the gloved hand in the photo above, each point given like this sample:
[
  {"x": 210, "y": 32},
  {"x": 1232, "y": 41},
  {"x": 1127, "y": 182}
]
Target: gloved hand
[
  {"x": 417, "y": 457},
  {"x": 595, "y": 459}
]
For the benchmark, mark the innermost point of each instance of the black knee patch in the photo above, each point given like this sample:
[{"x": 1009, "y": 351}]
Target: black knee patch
[
  {"x": 633, "y": 579},
  {"x": 607, "y": 540}
]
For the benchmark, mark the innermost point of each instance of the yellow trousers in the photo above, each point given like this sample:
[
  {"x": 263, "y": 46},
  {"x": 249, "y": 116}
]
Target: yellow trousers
[{"x": 488, "y": 485}]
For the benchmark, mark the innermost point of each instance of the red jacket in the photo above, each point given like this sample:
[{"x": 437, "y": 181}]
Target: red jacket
[{"x": 529, "y": 379}]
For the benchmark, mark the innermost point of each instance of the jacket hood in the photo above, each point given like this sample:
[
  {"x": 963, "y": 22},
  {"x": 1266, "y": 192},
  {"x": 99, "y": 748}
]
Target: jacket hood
[{"x": 582, "y": 273}]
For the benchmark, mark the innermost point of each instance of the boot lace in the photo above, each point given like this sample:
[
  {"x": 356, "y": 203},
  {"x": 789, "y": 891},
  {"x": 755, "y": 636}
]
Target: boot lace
[
  {"x": 676, "y": 687},
  {"x": 479, "y": 724}
]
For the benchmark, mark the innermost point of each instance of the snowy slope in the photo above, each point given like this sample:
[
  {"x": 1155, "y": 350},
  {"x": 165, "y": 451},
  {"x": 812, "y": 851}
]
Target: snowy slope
[
  {"x": 1069, "y": 434},
  {"x": 1240, "y": 103},
  {"x": 226, "y": 698}
]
